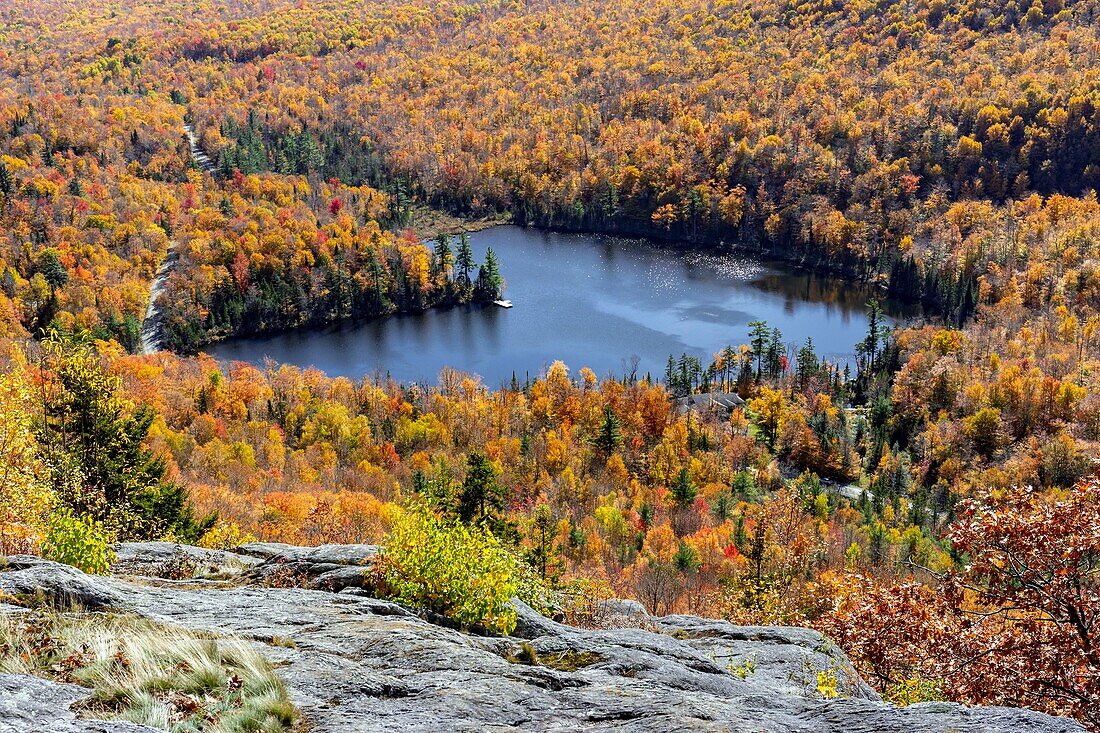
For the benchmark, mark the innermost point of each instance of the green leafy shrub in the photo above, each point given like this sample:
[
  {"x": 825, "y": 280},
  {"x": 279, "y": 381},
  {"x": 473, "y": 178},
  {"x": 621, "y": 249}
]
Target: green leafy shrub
[
  {"x": 78, "y": 541},
  {"x": 461, "y": 572},
  {"x": 914, "y": 690},
  {"x": 225, "y": 536}
]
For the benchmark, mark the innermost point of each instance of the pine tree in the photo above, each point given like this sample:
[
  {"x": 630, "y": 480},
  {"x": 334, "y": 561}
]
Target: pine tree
[
  {"x": 55, "y": 273},
  {"x": 543, "y": 554},
  {"x": 723, "y": 507},
  {"x": 610, "y": 435},
  {"x": 806, "y": 363},
  {"x": 489, "y": 281},
  {"x": 775, "y": 353},
  {"x": 444, "y": 257},
  {"x": 670, "y": 375},
  {"x": 7, "y": 185},
  {"x": 758, "y": 332},
  {"x": 686, "y": 559},
  {"x": 465, "y": 258},
  {"x": 868, "y": 348},
  {"x": 100, "y": 467},
  {"x": 481, "y": 497},
  {"x": 683, "y": 489}
]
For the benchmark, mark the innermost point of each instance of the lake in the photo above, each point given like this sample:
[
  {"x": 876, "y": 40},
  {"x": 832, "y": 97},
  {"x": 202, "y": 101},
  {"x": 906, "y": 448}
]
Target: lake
[{"x": 589, "y": 300}]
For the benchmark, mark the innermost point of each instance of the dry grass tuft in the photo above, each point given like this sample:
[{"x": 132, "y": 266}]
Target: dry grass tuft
[{"x": 155, "y": 675}]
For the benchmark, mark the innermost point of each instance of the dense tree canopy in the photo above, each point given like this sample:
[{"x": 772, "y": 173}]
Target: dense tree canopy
[{"x": 944, "y": 151}]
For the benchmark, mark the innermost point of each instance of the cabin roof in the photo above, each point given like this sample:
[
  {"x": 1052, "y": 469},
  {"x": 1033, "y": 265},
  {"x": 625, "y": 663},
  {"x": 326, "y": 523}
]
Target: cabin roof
[{"x": 727, "y": 401}]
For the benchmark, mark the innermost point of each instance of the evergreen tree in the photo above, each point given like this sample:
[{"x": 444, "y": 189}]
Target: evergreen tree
[
  {"x": 543, "y": 554},
  {"x": 670, "y": 375},
  {"x": 481, "y": 498},
  {"x": 868, "y": 349},
  {"x": 489, "y": 281},
  {"x": 740, "y": 538},
  {"x": 742, "y": 486},
  {"x": 465, "y": 258},
  {"x": 758, "y": 333},
  {"x": 55, "y": 273},
  {"x": 723, "y": 507},
  {"x": 7, "y": 181},
  {"x": 683, "y": 489},
  {"x": 100, "y": 467},
  {"x": 686, "y": 559},
  {"x": 444, "y": 257},
  {"x": 806, "y": 363},
  {"x": 610, "y": 435},
  {"x": 775, "y": 354},
  {"x": 757, "y": 550}
]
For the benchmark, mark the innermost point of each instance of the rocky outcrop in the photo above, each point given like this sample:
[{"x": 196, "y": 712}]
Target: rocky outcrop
[
  {"x": 355, "y": 664},
  {"x": 32, "y": 705},
  {"x": 331, "y": 554},
  {"x": 327, "y": 567},
  {"x": 59, "y": 585},
  {"x": 167, "y": 559}
]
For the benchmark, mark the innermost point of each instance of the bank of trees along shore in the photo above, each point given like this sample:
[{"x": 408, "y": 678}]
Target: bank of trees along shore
[
  {"x": 267, "y": 253},
  {"x": 943, "y": 151}
]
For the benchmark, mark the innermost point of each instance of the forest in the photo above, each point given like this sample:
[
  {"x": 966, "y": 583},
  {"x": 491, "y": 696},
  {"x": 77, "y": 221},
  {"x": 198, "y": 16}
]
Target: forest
[{"x": 935, "y": 510}]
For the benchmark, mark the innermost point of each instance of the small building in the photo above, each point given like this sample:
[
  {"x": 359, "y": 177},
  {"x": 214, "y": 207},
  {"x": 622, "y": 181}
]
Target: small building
[{"x": 852, "y": 492}]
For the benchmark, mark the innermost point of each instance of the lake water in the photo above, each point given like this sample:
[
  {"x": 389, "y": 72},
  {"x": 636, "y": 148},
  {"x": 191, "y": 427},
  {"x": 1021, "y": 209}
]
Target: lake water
[{"x": 588, "y": 300}]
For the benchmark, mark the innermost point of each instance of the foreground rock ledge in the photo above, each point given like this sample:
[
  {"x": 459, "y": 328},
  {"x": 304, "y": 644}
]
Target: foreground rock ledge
[{"x": 355, "y": 664}]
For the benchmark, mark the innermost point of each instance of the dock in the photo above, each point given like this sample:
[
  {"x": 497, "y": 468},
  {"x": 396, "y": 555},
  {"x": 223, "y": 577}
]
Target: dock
[{"x": 503, "y": 303}]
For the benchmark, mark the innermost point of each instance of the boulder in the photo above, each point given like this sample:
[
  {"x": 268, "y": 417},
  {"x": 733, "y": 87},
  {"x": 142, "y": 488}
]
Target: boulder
[
  {"x": 340, "y": 578},
  {"x": 626, "y": 607},
  {"x": 290, "y": 572},
  {"x": 334, "y": 554},
  {"x": 326, "y": 567},
  {"x": 170, "y": 559},
  {"x": 380, "y": 607},
  {"x": 33, "y": 705},
  {"x": 60, "y": 585},
  {"x": 530, "y": 624}
]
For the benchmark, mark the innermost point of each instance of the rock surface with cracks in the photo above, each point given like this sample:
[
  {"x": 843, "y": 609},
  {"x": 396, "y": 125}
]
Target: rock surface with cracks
[{"x": 355, "y": 664}]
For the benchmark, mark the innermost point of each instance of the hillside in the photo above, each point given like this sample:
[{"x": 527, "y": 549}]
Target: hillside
[{"x": 932, "y": 506}]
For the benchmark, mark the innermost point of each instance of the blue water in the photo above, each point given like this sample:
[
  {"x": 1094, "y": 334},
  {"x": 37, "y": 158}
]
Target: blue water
[{"x": 588, "y": 300}]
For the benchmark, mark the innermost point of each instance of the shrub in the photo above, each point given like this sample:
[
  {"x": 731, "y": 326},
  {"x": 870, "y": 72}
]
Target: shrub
[
  {"x": 225, "y": 536},
  {"x": 914, "y": 690},
  {"x": 461, "y": 572},
  {"x": 25, "y": 497},
  {"x": 78, "y": 541},
  {"x": 581, "y": 601}
]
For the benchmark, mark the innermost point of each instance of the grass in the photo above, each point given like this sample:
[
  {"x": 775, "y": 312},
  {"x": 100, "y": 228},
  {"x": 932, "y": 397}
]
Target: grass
[
  {"x": 149, "y": 674},
  {"x": 566, "y": 661},
  {"x": 428, "y": 223}
]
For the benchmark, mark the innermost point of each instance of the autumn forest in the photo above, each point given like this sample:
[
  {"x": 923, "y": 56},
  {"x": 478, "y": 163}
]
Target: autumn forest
[{"x": 256, "y": 166}]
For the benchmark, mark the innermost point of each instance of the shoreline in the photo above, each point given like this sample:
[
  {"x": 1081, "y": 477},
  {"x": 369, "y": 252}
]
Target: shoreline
[{"x": 428, "y": 223}]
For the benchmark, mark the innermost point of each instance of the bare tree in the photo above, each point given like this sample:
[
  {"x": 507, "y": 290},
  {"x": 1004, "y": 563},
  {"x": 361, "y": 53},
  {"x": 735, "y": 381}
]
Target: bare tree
[{"x": 658, "y": 585}]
